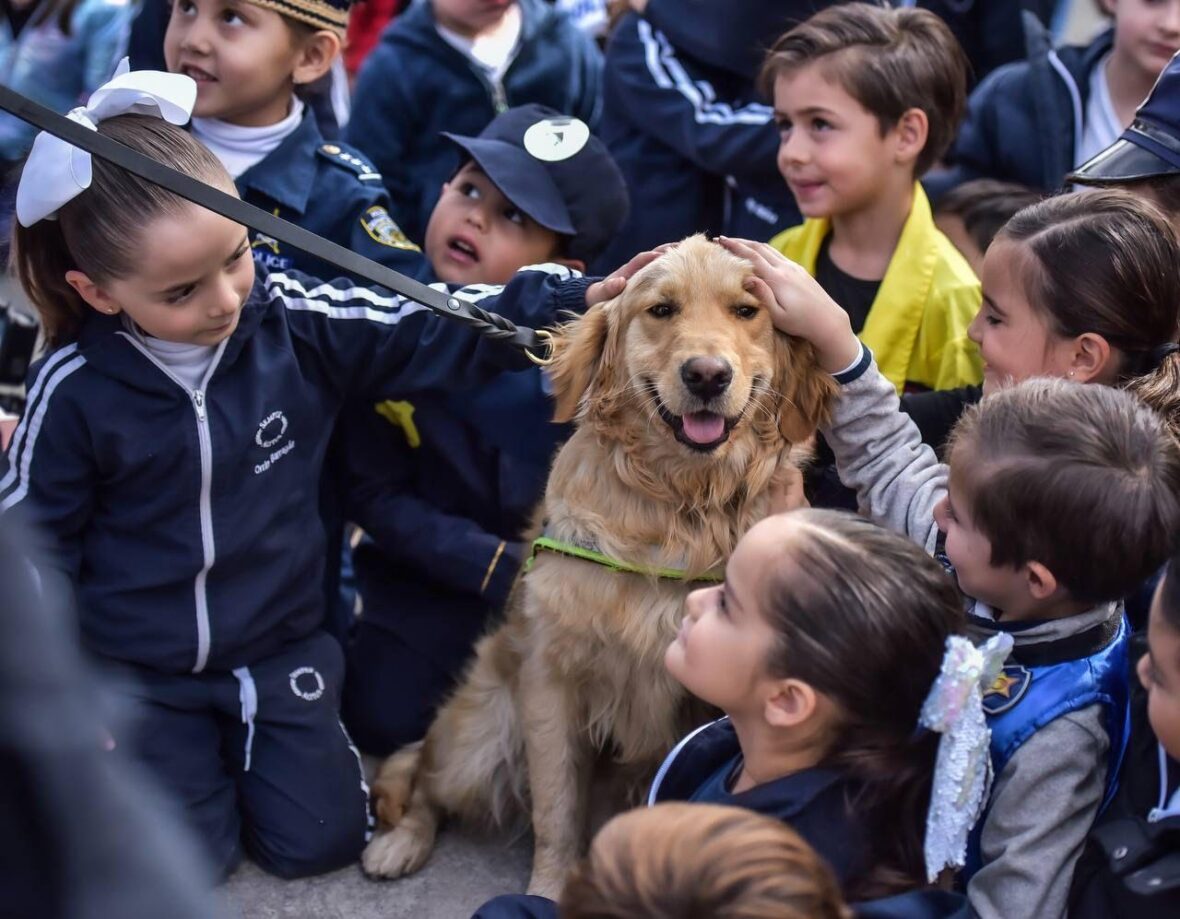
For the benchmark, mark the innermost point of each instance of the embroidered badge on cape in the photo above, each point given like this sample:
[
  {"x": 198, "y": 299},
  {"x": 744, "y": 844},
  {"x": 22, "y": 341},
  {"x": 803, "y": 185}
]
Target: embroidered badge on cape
[
  {"x": 383, "y": 229},
  {"x": 1008, "y": 689}
]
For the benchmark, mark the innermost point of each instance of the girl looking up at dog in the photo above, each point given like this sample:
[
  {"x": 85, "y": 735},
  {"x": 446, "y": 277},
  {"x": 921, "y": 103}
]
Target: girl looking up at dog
[
  {"x": 171, "y": 452},
  {"x": 821, "y": 646}
]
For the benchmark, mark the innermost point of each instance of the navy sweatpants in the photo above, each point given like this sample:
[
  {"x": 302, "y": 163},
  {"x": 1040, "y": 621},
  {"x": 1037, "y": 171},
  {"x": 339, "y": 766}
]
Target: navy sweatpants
[{"x": 258, "y": 758}]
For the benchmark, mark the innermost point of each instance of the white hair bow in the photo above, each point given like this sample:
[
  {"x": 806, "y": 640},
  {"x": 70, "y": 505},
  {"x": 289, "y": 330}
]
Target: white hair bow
[
  {"x": 962, "y": 773},
  {"x": 57, "y": 172}
]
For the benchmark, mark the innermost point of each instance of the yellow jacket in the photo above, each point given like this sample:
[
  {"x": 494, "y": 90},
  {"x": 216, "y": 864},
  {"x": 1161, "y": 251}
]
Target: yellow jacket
[{"x": 917, "y": 326}]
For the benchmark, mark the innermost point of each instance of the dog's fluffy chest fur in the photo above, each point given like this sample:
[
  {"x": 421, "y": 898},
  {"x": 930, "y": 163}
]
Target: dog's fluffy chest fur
[{"x": 607, "y": 631}]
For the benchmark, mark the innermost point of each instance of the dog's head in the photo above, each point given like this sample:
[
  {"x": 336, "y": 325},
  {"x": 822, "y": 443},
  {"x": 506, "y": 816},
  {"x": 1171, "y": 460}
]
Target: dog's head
[{"x": 688, "y": 346}]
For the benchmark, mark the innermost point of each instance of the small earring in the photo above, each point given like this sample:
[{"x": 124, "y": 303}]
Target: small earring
[{"x": 1071, "y": 374}]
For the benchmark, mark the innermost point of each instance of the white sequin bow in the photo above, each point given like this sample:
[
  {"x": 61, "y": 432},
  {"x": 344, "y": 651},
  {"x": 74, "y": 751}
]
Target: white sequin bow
[
  {"x": 57, "y": 172},
  {"x": 962, "y": 773}
]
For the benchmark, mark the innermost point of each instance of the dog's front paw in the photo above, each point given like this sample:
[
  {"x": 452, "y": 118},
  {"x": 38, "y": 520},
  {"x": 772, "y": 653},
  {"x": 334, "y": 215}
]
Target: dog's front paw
[{"x": 394, "y": 854}]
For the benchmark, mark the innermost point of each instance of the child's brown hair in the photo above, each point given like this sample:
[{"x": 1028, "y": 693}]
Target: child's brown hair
[
  {"x": 889, "y": 60},
  {"x": 674, "y": 861},
  {"x": 985, "y": 206},
  {"x": 99, "y": 231},
  {"x": 1105, "y": 261},
  {"x": 1082, "y": 478}
]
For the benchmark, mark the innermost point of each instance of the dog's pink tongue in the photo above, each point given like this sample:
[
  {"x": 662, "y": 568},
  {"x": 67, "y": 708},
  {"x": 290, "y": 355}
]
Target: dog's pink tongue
[{"x": 703, "y": 427}]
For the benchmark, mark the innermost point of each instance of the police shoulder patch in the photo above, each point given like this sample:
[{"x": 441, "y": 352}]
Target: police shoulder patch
[
  {"x": 384, "y": 229},
  {"x": 348, "y": 159},
  {"x": 1008, "y": 689}
]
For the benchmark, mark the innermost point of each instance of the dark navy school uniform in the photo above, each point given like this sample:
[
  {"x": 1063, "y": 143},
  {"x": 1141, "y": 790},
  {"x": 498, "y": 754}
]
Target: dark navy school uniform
[
  {"x": 1130, "y": 866},
  {"x": 332, "y": 190},
  {"x": 443, "y": 486},
  {"x": 414, "y": 85},
  {"x": 817, "y": 803},
  {"x": 694, "y": 140},
  {"x": 1023, "y": 122}
]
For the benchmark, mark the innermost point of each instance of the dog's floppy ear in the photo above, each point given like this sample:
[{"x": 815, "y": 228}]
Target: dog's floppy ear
[
  {"x": 807, "y": 391},
  {"x": 577, "y": 351}
]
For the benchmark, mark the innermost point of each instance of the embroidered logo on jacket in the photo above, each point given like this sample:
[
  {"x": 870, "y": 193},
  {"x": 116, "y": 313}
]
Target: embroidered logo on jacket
[
  {"x": 307, "y": 683},
  {"x": 1009, "y": 688},
  {"x": 271, "y": 430}
]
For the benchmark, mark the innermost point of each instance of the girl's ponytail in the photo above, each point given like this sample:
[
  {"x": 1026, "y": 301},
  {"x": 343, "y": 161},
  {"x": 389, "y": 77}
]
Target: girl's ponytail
[
  {"x": 896, "y": 775},
  {"x": 1159, "y": 389},
  {"x": 41, "y": 258}
]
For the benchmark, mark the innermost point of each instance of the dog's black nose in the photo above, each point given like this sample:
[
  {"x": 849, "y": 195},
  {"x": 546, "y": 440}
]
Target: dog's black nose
[{"x": 706, "y": 377}]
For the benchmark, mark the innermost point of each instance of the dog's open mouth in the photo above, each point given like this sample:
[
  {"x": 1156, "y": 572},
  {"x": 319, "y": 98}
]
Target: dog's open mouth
[{"x": 702, "y": 431}]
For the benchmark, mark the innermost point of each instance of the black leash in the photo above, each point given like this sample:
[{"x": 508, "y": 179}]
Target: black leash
[{"x": 487, "y": 324}]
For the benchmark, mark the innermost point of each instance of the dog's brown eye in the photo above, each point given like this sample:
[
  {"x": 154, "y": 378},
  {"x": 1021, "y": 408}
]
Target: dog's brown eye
[
  {"x": 745, "y": 311},
  {"x": 663, "y": 310}
]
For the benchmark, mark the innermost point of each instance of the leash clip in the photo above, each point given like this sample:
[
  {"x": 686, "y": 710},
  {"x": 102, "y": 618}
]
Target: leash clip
[{"x": 544, "y": 339}]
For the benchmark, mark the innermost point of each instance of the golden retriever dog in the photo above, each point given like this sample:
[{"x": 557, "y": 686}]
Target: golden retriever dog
[{"x": 690, "y": 410}]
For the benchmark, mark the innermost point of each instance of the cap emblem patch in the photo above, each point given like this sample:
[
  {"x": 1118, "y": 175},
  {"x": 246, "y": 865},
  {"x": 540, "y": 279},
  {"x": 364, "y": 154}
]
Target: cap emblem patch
[{"x": 555, "y": 139}]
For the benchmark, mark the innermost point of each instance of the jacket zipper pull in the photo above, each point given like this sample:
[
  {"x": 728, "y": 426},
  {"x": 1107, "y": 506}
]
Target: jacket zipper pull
[
  {"x": 199, "y": 403},
  {"x": 499, "y": 97}
]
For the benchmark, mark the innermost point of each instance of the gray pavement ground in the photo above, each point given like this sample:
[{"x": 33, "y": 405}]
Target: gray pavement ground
[{"x": 464, "y": 872}]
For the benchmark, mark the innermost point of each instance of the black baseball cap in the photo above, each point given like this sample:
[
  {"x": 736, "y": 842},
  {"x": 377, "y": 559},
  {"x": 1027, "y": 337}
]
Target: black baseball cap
[
  {"x": 551, "y": 167},
  {"x": 1150, "y": 146}
]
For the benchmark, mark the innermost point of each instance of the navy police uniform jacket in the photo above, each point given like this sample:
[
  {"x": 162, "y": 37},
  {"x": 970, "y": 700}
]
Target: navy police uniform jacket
[
  {"x": 332, "y": 190},
  {"x": 187, "y": 519},
  {"x": 818, "y": 803},
  {"x": 444, "y": 485},
  {"x": 1023, "y": 122},
  {"x": 414, "y": 85},
  {"x": 694, "y": 140}
]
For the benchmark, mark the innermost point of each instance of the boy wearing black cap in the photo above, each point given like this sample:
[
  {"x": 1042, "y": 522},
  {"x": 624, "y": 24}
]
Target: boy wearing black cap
[
  {"x": 1145, "y": 160},
  {"x": 536, "y": 187},
  {"x": 248, "y": 58},
  {"x": 444, "y": 486}
]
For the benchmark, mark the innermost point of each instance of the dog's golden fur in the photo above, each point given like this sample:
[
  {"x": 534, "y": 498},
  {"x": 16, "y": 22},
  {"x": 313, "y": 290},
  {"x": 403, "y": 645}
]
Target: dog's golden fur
[{"x": 574, "y": 678}]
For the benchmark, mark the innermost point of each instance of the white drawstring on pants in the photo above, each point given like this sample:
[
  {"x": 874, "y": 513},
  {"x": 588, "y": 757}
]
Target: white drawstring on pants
[{"x": 248, "y": 694}]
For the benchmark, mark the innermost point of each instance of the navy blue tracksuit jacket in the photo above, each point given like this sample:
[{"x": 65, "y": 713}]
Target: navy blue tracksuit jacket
[
  {"x": 414, "y": 85},
  {"x": 1023, "y": 122},
  {"x": 188, "y": 519},
  {"x": 694, "y": 139}
]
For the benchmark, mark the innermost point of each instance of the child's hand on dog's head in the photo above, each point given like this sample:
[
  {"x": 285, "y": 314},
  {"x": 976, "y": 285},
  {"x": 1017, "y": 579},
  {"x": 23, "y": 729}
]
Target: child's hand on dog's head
[
  {"x": 798, "y": 305},
  {"x": 612, "y": 285}
]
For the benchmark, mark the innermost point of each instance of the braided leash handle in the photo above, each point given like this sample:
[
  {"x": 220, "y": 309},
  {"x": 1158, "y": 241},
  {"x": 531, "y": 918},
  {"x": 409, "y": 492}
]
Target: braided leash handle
[{"x": 486, "y": 323}]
